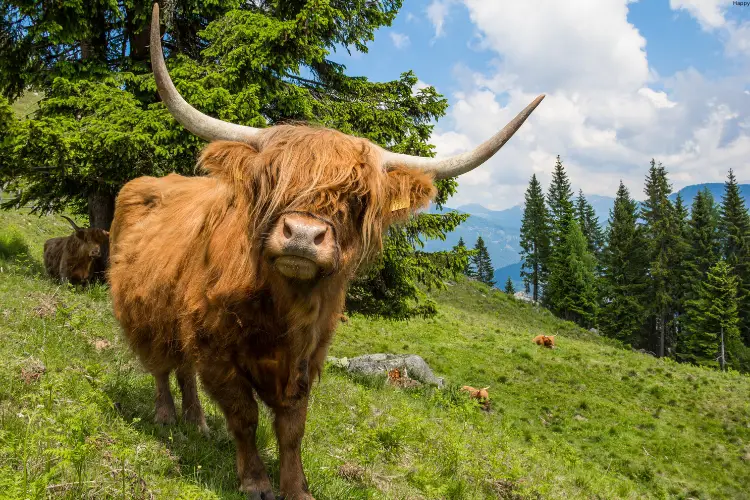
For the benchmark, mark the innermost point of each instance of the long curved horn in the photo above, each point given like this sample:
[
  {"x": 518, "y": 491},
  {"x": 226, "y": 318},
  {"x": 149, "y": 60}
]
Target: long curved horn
[
  {"x": 75, "y": 226},
  {"x": 453, "y": 166},
  {"x": 204, "y": 126}
]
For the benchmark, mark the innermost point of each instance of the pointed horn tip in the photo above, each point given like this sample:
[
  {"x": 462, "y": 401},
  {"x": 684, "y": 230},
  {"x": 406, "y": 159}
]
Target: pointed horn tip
[{"x": 155, "y": 10}]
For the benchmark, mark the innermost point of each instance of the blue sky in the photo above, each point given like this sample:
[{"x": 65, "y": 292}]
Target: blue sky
[{"x": 625, "y": 82}]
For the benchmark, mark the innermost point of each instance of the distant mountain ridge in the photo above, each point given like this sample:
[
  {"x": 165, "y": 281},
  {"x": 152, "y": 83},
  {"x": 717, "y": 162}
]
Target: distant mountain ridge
[{"x": 501, "y": 229}]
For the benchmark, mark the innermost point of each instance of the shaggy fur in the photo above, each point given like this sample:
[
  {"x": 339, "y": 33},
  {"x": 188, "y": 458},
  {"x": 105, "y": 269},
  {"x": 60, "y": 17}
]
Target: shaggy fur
[
  {"x": 545, "y": 341},
  {"x": 194, "y": 291},
  {"x": 71, "y": 258}
]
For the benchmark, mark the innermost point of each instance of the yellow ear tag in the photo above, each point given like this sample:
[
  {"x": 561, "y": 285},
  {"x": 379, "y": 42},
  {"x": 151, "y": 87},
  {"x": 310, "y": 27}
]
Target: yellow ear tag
[{"x": 400, "y": 203}]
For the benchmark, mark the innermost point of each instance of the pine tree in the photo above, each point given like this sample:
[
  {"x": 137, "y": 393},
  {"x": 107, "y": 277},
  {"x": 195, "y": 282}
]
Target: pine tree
[
  {"x": 714, "y": 314},
  {"x": 574, "y": 279},
  {"x": 562, "y": 215},
  {"x": 734, "y": 226},
  {"x": 662, "y": 232},
  {"x": 482, "y": 265},
  {"x": 704, "y": 249},
  {"x": 560, "y": 200},
  {"x": 535, "y": 238},
  {"x": 509, "y": 287},
  {"x": 460, "y": 248},
  {"x": 625, "y": 267},
  {"x": 679, "y": 269}
]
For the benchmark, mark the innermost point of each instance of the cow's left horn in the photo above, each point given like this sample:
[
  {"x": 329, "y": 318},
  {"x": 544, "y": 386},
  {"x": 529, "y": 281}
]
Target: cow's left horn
[
  {"x": 204, "y": 126},
  {"x": 72, "y": 222},
  {"x": 453, "y": 166}
]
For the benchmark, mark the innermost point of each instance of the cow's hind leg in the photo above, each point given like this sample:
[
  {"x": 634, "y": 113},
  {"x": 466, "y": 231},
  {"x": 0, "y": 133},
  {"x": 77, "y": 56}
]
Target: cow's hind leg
[
  {"x": 192, "y": 411},
  {"x": 235, "y": 398},
  {"x": 165, "y": 411}
]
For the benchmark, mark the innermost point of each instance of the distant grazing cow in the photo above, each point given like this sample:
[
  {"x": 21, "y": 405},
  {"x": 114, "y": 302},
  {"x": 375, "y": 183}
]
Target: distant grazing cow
[
  {"x": 482, "y": 395},
  {"x": 241, "y": 275},
  {"x": 70, "y": 258},
  {"x": 545, "y": 340}
]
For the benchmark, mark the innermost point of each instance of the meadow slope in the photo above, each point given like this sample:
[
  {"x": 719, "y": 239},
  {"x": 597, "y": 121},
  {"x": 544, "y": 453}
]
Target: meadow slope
[{"x": 589, "y": 419}]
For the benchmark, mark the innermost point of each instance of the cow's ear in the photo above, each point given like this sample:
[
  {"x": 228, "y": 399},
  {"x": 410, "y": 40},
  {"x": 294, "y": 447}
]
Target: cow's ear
[
  {"x": 408, "y": 191},
  {"x": 228, "y": 160}
]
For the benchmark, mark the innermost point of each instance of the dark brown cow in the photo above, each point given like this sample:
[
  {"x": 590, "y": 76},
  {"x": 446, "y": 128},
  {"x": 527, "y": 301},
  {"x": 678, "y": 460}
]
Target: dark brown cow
[
  {"x": 71, "y": 258},
  {"x": 240, "y": 275}
]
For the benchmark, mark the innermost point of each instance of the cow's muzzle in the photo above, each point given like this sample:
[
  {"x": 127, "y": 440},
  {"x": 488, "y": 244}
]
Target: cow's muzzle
[{"x": 302, "y": 246}]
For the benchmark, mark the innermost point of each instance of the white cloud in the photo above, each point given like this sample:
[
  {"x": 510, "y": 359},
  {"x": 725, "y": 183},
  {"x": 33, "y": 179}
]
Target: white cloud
[
  {"x": 419, "y": 86},
  {"x": 400, "y": 40},
  {"x": 607, "y": 113},
  {"x": 709, "y": 13},
  {"x": 712, "y": 17},
  {"x": 437, "y": 12}
]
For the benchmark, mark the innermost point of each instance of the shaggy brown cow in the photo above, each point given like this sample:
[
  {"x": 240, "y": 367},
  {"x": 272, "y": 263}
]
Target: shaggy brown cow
[
  {"x": 241, "y": 275},
  {"x": 545, "y": 340},
  {"x": 70, "y": 258}
]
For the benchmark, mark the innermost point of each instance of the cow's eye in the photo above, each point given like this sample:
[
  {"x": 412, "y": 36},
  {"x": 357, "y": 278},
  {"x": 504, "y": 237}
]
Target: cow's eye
[{"x": 357, "y": 208}]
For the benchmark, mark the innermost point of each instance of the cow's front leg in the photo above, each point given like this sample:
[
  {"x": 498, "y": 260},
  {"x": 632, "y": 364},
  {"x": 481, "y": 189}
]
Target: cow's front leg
[
  {"x": 235, "y": 397},
  {"x": 289, "y": 424}
]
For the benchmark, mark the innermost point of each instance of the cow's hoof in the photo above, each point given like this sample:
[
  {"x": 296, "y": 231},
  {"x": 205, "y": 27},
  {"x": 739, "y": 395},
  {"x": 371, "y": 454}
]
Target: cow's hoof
[
  {"x": 203, "y": 429},
  {"x": 296, "y": 496},
  {"x": 165, "y": 417},
  {"x": 260, "y": 495}
]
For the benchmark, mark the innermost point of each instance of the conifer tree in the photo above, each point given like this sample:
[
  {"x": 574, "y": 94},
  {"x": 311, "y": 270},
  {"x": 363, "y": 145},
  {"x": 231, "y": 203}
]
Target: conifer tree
[
  {"x": 562, "y": 215},
  {"x": 460, "y": 248},
  {"x": 703, "y": 251},
  {"x": 573, "y": 278},
  {"x": 509, "y": 289},
  {"x": 535, "y": 238},
  {"x": 704, "y": 244},
  {"x": 662, "y": 232},
  {"x": 715, "y": 317},
  {"x": 625, "y": 269},
  {"x": 560, "y": 200},
  {"x": 482, "y": 265},
  {"x": 734, "y": 225},
  {"x": 679, "y": 265}
]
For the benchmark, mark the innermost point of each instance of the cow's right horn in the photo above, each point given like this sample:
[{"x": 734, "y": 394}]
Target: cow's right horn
[
  {"x": 204, "y": 126},
  {"x": 454, "y": 166}
]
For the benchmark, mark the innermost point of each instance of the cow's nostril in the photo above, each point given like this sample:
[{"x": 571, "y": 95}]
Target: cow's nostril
[
  {"x": 287, "y": 230},
  {"x": 320, "y": 237}
]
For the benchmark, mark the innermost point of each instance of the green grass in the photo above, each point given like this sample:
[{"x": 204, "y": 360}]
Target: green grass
[{"x": 586, "y": 420}]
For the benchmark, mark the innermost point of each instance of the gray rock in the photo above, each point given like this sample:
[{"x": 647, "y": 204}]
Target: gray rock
[{"x": 380, "y": 364}]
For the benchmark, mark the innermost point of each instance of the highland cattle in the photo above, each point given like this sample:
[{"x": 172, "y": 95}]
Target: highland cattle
[{"x": 240, "y": 275}]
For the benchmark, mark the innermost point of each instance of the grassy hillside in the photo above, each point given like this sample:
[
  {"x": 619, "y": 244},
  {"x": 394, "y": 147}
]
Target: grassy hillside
[{"x": 585, "y": 420}]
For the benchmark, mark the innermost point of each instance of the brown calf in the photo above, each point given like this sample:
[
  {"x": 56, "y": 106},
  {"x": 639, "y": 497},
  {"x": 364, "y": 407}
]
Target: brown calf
[
  {"x": 481, "y": 395},
  {"x": 545, "y": 341}
]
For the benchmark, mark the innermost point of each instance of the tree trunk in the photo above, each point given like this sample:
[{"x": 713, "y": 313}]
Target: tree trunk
[
  {"x": 101, "y": 213},
  {"x": 662, "y": 332},
  {"x": 101, "y": 210},
  {"x": 723, "y": 359}
]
